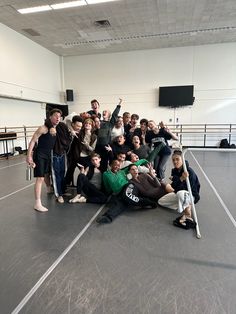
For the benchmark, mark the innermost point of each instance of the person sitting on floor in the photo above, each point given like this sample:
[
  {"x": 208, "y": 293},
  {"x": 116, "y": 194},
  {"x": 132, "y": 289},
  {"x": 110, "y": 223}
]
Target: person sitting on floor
[
  {"x": 147, "y": 184},
  {"x": 179, "y": 198},
  {"x": 89, "y": 182}
]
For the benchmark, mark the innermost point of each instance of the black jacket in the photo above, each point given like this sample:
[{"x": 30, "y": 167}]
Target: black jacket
[
  {"x": 178, "y": 185},
  {"x": 104, "y": 133},
  {"x": 63, "y": 139}
]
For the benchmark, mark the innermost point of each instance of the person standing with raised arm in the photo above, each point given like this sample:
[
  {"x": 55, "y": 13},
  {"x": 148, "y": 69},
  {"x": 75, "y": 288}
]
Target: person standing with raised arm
[{"x": 104, "y": 134}]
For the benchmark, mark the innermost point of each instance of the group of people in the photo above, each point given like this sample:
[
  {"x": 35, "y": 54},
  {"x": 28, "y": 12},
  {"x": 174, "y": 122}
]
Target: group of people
[{"x": 117, "y": 156}]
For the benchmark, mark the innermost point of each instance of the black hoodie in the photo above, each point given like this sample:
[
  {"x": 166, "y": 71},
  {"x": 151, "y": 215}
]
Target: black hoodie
[{"x": 178, "y": 185}]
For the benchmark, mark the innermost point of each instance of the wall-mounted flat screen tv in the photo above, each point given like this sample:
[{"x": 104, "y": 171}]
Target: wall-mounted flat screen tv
[
  {"x": 176, "y": 96},
  {"x": 63, "y": 108}
]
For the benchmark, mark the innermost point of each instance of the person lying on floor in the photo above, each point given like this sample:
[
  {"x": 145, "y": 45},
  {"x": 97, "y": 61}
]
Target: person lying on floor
[
  {"x": 89, "y": 183},
  {"x": 142, "y": 190},
  {"x": 179, "y": 198},
  {"x": 147, "y": 184}
]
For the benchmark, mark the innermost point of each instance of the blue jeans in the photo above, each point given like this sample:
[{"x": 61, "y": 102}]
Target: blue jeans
[{"x": 58, "y": 174}]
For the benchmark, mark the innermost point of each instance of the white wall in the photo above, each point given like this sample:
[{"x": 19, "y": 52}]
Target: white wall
[
  {"x": 19, "y": 113},
  {"x": 135, "y": 76},
  {"x": 27, "y": 71},
  {"x": 14, "y": 115}
]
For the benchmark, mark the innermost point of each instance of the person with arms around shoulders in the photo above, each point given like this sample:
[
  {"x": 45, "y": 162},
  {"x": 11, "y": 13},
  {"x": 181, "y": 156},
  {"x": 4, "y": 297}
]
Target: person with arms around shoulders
[{"x": 73, "y": 153}]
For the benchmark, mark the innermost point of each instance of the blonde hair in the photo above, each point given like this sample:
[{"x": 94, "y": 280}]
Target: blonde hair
[{"x": 89, "y": 120}]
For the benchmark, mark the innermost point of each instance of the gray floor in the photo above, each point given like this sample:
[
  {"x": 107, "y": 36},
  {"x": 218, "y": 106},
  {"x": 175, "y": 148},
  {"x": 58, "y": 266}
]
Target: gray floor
[{"x": 138, "y": 264}]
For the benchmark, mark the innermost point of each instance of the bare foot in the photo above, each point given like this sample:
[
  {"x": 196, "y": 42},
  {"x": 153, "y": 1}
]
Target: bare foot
[
  {"x": 40, "y": 208},
  {"x": 182, "y": 219}
]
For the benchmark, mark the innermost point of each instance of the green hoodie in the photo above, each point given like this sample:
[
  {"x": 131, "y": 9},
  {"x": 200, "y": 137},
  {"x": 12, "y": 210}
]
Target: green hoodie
[{"x": 114, "y": 182}]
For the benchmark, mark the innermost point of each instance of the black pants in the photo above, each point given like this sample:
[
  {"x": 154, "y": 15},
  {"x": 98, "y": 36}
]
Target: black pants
[
  {"x": 72, "y": 164},
  {"x": 85, "y": 161},
  {"x": 127, "y": 198},
  {"x": 101, "y": 150},
  {"x": 92, "y": 193}
]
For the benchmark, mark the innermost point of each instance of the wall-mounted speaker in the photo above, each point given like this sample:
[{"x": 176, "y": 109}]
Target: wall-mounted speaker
[{"x": 69, "y": 95}]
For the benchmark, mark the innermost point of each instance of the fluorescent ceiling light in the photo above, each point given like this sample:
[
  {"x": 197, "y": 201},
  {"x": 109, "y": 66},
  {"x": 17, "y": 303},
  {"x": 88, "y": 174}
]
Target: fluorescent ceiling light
[
  {"x": 98, "y": 1},
  {"x": 35, "y": 9},
  {"x": 70, "y": 4},
  {"x": 63, "y": 5}
]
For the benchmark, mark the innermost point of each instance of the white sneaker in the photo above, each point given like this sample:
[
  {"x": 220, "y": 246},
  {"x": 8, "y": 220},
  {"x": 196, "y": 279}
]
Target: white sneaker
[
  {"x": 60, "y": 199},
  {"x": 82, "y": 199},
  {"x": 75, "y": 199}
]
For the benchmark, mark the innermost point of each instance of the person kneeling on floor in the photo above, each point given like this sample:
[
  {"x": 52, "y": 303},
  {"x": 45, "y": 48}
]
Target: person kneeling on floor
[{"x": 179, "y": 198}]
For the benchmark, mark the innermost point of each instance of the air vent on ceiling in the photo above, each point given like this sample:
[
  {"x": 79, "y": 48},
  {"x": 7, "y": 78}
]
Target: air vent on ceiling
[
  {"x": 102, "y": 23},
  {"x": 30, "y": 32}
]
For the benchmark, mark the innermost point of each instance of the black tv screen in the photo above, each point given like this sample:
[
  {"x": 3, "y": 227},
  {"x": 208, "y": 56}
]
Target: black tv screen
[
  {"x": 176, "y": 96},
  {"x": 63, "y": 108}
]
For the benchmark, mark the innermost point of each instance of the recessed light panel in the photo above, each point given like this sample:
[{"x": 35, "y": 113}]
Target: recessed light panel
[
  {"x": 41, "y": 8},
  {"x": 70, "y": 4},
  {"x": 98, "y": 1}
]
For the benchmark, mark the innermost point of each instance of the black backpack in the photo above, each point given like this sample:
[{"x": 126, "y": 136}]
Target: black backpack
[{"x": 224, "y": 143}]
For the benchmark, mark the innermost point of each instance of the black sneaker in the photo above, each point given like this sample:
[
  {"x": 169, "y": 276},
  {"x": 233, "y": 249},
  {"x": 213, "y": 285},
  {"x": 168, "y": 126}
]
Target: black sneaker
[
  {"x": 104, "y": 220},
  {"x": 182, "y": 225},
  {"x": 190, "y": 223},
  {"x": 154, "y": 205},
  {"x": 187, "y": 224}
]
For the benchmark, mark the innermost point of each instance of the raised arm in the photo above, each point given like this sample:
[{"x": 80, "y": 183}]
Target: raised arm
[
  {"x": 115, "y": 113},
  {"x": 166, "y": 129}
]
